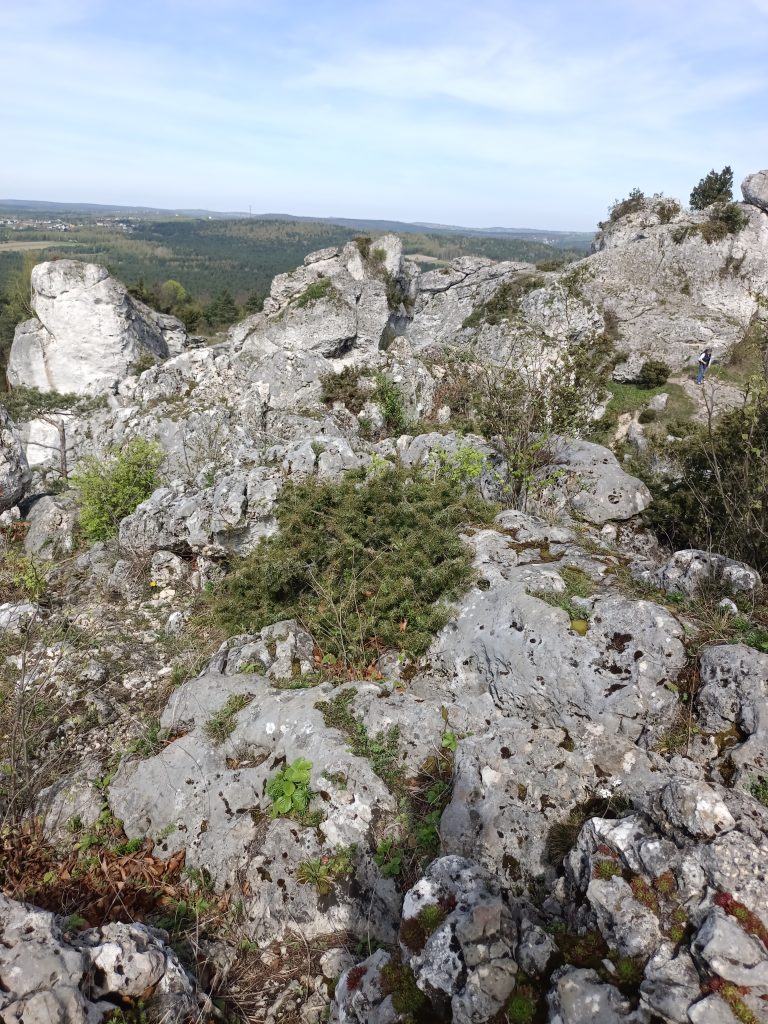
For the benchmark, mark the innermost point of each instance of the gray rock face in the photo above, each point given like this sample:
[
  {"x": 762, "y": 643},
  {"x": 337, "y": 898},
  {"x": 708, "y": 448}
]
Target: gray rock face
[
  {"x": 733, "y": 701},
  {"x": 88, "y": 331},
  {"x": 48, "y": 977},
  {"x": 687, "y": 571},
  {"x": 335, "y": 304},
  {"x": 361, "y": 996},
  {"x": 726, "y": 950},
  {"x": 671, "y": 985},
  {"x": 591, "y": 484},
  {"x": 52, "y": 521},
  {"x": 467, "y": 961},
  {"x": 232, "y": 515},
  {"x": 626, "y": 924},
  {"x": 754, "y": 188},
  {"x": 506, "y": 641},
  {"x": 14, "y": 471},
  {"x": 14, "y": 617},
  {"x": 577, "y": 995}
]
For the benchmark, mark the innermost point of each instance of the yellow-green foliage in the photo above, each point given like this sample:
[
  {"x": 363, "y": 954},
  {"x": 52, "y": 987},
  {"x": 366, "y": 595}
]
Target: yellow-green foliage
[
  {"x": 362, "y": 562},
  {"x": 113, "y": 486}
]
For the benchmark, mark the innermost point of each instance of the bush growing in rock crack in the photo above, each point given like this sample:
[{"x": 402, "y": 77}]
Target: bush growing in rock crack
[
  {"x": 365, "y": 563},
  {"x": 113, "y": 486}
]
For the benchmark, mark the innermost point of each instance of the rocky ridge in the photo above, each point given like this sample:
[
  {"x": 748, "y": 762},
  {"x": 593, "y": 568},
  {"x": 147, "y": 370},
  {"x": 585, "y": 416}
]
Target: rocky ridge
[{"x": 596, "y": 849}]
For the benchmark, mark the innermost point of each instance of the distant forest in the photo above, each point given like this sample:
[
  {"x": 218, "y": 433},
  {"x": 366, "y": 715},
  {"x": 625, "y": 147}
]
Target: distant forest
[{"x": 211, "y": 272}]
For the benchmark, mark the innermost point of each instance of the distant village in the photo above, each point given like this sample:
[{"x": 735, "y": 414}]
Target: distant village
[{"x": 27, "y": 223}]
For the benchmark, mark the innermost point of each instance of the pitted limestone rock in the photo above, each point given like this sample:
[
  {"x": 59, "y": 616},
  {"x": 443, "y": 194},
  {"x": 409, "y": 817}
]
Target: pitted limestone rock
[
  {"x": 589, "y": 483},
  {"x": 577, "y": 995},
  {"x": 625, "y": 923},
  {"x": 687, "y": 571},
  {"x": 467, "y": 961},
  {"x": 51, "y": 977}
]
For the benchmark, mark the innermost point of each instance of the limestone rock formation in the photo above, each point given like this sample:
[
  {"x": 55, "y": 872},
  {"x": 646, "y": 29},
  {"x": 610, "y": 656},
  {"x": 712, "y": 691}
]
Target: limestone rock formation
[
  {"x": 754, "y": 188},
  {"x": 14, "y": 470},
  {"x": 557, "y": 812},
  {"x": 52, "y": 976},
  {"x": 88, "y": 332}
]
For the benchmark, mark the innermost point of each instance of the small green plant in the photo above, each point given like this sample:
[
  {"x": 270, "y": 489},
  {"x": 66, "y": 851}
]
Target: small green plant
[
  {"x": 431, "y": 917},
  {"x": 654, "y": 373},
  {"x": 522, "y": 1005},
  {"x": 629, "y": 972},
  {"x": 390, "y": 400},
  {"x": 465, "y": 466},
  {"x": 323, "y": 872},
  {"x": 222, "y": 724},
  {"x": 389, "y": 858},
  {"x": 289, "y": 790},
  {"x": 112, "y": 487},
  {"x": 322, "y": 288},
  {"x": 75, "y": 923},
  {"x": 758, "y": 788},
  {"x": 607, "y": 869},
  {"x": 150, "y": 742},
  {"x": 397, "y": 980}
]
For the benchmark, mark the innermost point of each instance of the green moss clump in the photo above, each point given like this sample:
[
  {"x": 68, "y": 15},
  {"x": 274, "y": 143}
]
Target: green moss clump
[{"x": 398, "y": 981}]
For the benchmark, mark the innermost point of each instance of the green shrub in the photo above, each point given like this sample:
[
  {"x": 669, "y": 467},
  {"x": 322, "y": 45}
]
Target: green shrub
[
  {"x": 389, "y": 398},
  {"x": 647, "y": 416},
  {"x": 653, "y": 374},
  {"x": 319, "y": 289},
  {"x": 715, "y": 187},
  {"x": 715, "y": 498},
  {"x": 345, "y": 387},
  {"x": 365, "y": 562},
  {"x": 289, "y": 790},
  {"x": 112, "y": 487},
  {"x": 631, "y": 204},
  {"x": 724, "y": 219},
  {"x": 667, "y": 210},
  {"x": 363, "y": 244},
  {"x": 504, "y": 304}
]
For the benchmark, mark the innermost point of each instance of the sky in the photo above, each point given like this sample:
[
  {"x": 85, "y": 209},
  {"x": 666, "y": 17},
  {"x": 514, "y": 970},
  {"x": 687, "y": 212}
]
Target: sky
[{"x": 517, "y": 113}]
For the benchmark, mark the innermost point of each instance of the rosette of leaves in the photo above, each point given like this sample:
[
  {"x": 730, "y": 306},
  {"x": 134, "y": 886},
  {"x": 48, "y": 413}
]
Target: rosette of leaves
[{"x": 289, "y": 790}]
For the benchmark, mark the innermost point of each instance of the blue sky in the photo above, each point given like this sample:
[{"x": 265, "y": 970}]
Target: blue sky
[{"x": 528, "y": 114}]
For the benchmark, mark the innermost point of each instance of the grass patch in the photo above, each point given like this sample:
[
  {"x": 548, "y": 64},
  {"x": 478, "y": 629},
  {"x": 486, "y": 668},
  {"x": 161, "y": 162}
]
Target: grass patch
[
  {"x": 222, "y": 724},
  {"x": 364, "y": 564},
  {"x": 578, "y": 584},
  {"x": 322, "y": 288}
]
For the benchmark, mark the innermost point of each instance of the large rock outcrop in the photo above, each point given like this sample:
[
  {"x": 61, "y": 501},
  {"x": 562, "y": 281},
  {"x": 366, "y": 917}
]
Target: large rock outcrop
[{"x": 88, "y": 331}]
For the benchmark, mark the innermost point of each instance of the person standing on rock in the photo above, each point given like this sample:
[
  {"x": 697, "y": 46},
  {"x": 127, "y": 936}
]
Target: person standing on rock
[{"x": 704, "y": 360}]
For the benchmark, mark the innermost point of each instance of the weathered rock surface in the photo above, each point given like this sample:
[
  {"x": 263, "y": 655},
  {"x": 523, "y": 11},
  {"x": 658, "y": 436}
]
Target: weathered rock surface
[
  {"x": 88, "y": 331},
  {"x": 687, "y": 572},
  {"x": 754, "y": 188},
  {"x": 49, "y": 976},
  {"x": 14, "y": 471}
]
